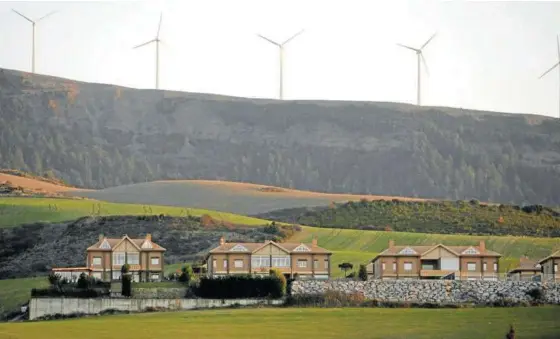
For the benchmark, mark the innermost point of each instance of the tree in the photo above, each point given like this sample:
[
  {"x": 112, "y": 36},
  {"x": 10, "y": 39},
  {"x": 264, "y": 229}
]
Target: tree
[
  {"x": 83, "y": 281},
  {"x": 186, "y": 274},
  {"x": 281, "y": 279},
  {"x": 362, "y": 273},
  {"x": 54, "y": 279},
  {"x": 345, "y": 266},
  {"x": 126, "y": 281}
]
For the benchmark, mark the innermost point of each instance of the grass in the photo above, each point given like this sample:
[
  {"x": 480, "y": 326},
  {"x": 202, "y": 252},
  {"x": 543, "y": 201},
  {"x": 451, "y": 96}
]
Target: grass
[
  {"x": 161, "y": 284},
  {"x": 14, "y": 292},
  {"x": 356, "y": 246},
  {"x": 349, "y": 323},
  {"x": 15, "y": 211}
]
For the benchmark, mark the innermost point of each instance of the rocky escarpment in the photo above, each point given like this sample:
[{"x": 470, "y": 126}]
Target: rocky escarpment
[{"x": 436, "y": 291}]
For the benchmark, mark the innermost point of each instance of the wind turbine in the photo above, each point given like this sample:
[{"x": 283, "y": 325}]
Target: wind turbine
[
  {"x": 420, "y": 58},
  {"x": 556, "y": 64},
  {"x": 157, "y": 41},
  {"x": 281, "y": 50},
  {"x": 33, "y": 23}
]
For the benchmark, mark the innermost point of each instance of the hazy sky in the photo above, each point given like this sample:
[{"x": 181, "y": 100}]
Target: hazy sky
[{"x": 487, "y": 55}]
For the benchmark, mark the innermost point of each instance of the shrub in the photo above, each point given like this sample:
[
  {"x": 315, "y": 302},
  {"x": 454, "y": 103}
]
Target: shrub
[
  {"x": 362, "y": 273},
  {"x": 125, "y": 269},
  {"x": 536, "y": 293},
  {"x": 186, "y": 274},
  {"x": 69, "y": 292},
  {"x": 54, "y": 279},
  {"x": 281, "y": 280},
  {"x": 239, "y": 286},
  {"x": 126, "y": 285},
  {"x": 83, "y": 281}
]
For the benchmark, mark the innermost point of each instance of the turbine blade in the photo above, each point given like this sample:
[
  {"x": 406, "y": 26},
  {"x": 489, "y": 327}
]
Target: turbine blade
[
  {"x": 159, "y": 26},
  {"x": 267, "y": 39},
  {"x": 144, "y": 44},
  {"x": 23, "y": 16},
  {"x": 427, "y": 42},
  {"x": 411, "y": 48},
  {"x": 425, "y": 64},
  {"x": 293, "y": 36},
  {"x": 558, "y": 45},
  {"x": 44, "y": 16},
  {"x": 550, "y": 69}
]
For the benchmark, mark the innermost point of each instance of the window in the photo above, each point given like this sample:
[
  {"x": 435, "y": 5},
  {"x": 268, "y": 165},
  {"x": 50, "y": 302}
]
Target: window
[
  {"x": 283, "y": 261},
  {"x": 471, "y": 266},
  {"x": 133, "y": 258},
  {"x": 408, "y": 266},
  {"x": 154, "y": 261},
  {"x": 225, "y": 263},
  {"x": 118, "y": 258},
  {"x": 239, "y": 248},
  {"x": 394, "y": 266},
  {"x": 96, "y": 275},
  {"x": 260, "y": 261},
  {"x": 407, "y": 250},
  {"x": 302, "y": 248},
  {"x": 495, "y": 267},
  {"x": 315, "y": 263},
  {"x": 238, "y": 263},
  {"x": 97, "y": 260},
  {"x": 105, "y": 245},
  {"x": 214, "y": 263},
  {"x": 383, "y": 266},
  {"x": 116, "y": 275},
  {"x": 302, "y": 263},
  {"x": 327, "y": 263},
  {"x": 484, "y": 266},
  {"x": 470, "y": 250},
  {"x": 555, "y": 268}
]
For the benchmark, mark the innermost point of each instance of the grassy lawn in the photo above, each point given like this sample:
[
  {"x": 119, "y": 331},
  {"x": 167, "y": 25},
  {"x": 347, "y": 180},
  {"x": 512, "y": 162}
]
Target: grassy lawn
[
  {"x": 308, "y": 323},
  {"x": 16, "y": 211},
  {"x": 356, "y": 246},
  {"x": 14, "y": 292}
]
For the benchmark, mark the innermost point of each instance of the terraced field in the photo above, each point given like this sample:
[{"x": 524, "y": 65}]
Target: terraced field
[{"x": 15, "y": 211}]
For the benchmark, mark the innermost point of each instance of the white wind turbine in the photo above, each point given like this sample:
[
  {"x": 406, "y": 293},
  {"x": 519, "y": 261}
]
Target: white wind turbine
[
  {"x": 281, "y": 50},
  {"x": 33, "y": 23},
  {"x": 420, "y": 58},
  {"x": 157, "y": 41},
  {"x": 556, "y": 64}
]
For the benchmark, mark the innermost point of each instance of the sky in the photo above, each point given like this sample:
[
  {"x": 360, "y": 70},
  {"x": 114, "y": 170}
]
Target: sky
[{"x": 486, "y": 55}]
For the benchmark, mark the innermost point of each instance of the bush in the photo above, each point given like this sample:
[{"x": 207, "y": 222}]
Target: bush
[
  {"x": 240, "y": 286},
  {"x": 83, "y": 281},
  {"x": 186, "y": 274},
  {"x": 536, "y": 293},
  {"x": 54, "y": 279},
  {"x": 126, "y": 285},
  {"x": 281, "y": 280},
  {"x": 69, "y": 292},
  {"x": 362, "y": 273}
]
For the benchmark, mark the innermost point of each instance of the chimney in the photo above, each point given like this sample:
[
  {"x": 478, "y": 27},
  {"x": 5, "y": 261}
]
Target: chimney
[
  {"x": 314, "y": 242},
  {"x": 149, "y": 237},
  {"x": 222, "y": 241},
  {"x": 391, "y": 244},
  {"x": 482, "y": 246},
  {"x": 101, "y": 237}
]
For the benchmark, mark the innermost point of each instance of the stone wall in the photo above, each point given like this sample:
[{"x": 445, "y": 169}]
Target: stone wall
[
  {"x": 39, "y": 307},
  {"x": 159, "y": 293},
  {"x": 433, "y": 291}
]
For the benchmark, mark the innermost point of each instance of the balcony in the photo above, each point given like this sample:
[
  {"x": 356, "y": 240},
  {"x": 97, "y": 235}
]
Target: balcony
[{"x": 435, "y": 273}]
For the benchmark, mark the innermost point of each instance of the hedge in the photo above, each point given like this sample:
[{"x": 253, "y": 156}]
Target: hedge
[
  {"x": 72, "y": 293},
  {"x": 240, "y": 286}
]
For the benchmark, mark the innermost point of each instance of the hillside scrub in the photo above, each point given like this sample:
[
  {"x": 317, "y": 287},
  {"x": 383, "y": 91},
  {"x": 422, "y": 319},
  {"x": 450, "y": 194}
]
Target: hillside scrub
[
  {"x": 446, "y": 217},
  {"x": 88, "y": 136}
]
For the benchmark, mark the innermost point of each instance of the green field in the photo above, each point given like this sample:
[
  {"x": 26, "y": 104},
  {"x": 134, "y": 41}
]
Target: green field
[
  {"x": 309, "y": 323},
  {"x": 357, "y": 246},
  {"x": 17, "y": 211},
  {"x": 14, "y": 292}
]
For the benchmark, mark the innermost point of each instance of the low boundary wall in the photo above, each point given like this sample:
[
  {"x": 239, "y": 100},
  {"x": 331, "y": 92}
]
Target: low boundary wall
[
  {"x": 39, "y": 307},
  {"x": 434, "y": 291}
]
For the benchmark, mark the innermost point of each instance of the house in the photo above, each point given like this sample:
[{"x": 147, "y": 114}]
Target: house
[
  {"x": 526, "y": 271},
  {"x": 436, "y": 262},
  {"x": 305, "y": 260},
  {"x": 106, "y": 257},
  {"x": 550, "y": 267}
]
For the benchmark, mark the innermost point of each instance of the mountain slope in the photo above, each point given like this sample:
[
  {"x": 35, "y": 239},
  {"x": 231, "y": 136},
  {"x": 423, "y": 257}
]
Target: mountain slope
[
  {"x": 227, "y": 196},
  {"x": 98, "y": 136}
]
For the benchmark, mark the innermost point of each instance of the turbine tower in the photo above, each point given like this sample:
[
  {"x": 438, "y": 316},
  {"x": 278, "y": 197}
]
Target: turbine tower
[
  {"x": 555, "y": 65},
  {"x": 420, "y": 58},
  {"x": 281, "y": 50},
  {"x": 33, "y": 23},
  {"x": 157, "y": 41}
]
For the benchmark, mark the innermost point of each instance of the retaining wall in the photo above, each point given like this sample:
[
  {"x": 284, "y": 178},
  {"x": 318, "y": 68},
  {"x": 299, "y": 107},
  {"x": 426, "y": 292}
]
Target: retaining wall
[
  {"x": 39, "y": 307},
  {"x": 433, "y": 291}
]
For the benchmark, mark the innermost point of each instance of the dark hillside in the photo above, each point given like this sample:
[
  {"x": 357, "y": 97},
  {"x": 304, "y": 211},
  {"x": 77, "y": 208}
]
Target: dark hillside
[
  {"x": 98, "y": 136},
  {"x": 448, "y": 217}
]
